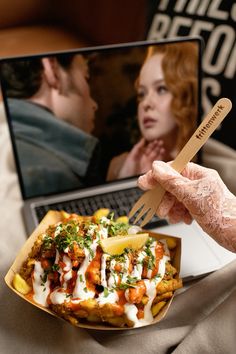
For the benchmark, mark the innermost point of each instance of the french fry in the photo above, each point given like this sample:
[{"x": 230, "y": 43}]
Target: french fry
[
  {"x": 54, "y": 249},
  {"x": 168, "y": 285},
  {"x": 21, "y": 285},
  {"x": 101, "y": 213},
  {"x": 145, "y": 300},
  {"x": 164, "y": 296},
  {"x": 171, "y": 242},
  {"x": 157, "y": 308},
  {"x": 117, "y": 321}
]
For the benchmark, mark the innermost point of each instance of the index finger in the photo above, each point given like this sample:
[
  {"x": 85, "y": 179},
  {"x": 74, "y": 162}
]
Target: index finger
[{"x": 147, "y": 181}]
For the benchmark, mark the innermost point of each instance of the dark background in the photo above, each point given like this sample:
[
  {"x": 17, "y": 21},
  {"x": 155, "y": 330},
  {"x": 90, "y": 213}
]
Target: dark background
[{"x": 214, "y": 21}]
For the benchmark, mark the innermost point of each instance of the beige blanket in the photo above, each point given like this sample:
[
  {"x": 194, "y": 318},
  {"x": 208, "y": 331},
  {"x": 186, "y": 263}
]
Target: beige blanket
[{"x": 202, "y": 318}]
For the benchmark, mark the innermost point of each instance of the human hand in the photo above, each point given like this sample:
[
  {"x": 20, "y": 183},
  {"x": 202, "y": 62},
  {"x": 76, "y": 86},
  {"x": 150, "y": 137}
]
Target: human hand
[
  {"x": 141, "y": 157},
  {"x": 198, "y": 193}
]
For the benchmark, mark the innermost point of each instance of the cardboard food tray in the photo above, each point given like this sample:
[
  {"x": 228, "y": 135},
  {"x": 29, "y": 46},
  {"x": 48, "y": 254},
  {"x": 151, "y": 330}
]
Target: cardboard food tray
[{"x": 52, "y": 217}]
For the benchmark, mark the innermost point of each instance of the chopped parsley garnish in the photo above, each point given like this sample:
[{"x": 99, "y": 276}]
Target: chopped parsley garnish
[
  {"x": 106, "y": 292},
  {"x": 128, "y": 250},
  {"x": 114, "y": 276},
  {"x": 157, "y": 276},
  {"x": 119, "y": 258},
  {"x": 64, "y": 241},
  {"x": 86, "y": 242},
  {"x": 151, "y": 258},
  {"x": 131, "y": 280},
  {"x": 44, "y": 278},
  {"x": 48, "y": 242},
  {"x": 69, "y": 233},
  {"x": 55, "y": 267},
  {"x": 124, "y": 286},
  {"x": 150, "y": 241},
  {"x": 129, "y": 283},
  {"x": 117, "y": 228}
]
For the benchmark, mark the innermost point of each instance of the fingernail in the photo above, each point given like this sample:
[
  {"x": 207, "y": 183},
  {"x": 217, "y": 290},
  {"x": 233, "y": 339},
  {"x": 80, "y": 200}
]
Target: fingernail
[
  {"x": 141, "y": 179},
  {"x": 142, "y": 182}
]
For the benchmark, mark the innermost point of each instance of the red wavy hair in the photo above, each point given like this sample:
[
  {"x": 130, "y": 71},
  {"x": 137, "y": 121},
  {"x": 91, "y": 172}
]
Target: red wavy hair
[{"x": 180, "y": 69}]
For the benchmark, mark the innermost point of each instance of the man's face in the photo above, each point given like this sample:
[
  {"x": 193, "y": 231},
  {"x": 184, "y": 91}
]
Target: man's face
[{"x": 75, "y": 105}]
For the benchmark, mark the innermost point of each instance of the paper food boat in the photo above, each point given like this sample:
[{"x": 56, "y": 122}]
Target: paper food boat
[{"x": 53, "y": 217}]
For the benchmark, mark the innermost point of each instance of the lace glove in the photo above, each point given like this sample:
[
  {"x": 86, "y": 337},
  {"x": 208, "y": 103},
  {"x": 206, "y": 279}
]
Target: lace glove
[{"x": 198, "y": 193}]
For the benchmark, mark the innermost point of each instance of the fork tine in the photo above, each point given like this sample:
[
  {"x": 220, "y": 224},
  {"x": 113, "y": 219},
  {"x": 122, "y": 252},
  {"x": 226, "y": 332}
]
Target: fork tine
[
  {"x": 143, "y": 211},
  {"x": 148, "y": 217},
  {"x": 138, "y": 205}
]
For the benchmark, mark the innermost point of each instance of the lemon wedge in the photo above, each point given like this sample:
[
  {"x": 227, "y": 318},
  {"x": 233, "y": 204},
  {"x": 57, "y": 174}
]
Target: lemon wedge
[
  {"x": 20, "y": 284},
  {"x": 116, "y": 245}
]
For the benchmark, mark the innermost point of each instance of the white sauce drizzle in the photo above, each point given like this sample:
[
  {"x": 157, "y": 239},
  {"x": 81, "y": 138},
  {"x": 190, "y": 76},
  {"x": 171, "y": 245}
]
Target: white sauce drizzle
[
  {"x": 68, "y": 264},
  {"x": 153, "y": 251},
  {"x": 58, "y": 297},
  {"x": 57, "y": 230},
  {"x": 125, "y": 269},
  {"x": 131, "y": 312},
  {"x": 103, "y": 232},
  {"x": 111, "y": 298},
  {"x": 103, "y": 269},
  {"x": 134, "y": 229},
  {"x": 109, "y": 295},
  {"x": 151, "y": 293},
  {"x": 92, "y": 229},
  {"x": 138, "y": 268},
  {"x": 57, "y": 258},
  {"x": 113, "y": 279},
  {"x": 41, "y": 290},
  {"x": 81, "y": 291},
  {"x": 66, "y": 271},
  {"x": 104, "y": 220}
]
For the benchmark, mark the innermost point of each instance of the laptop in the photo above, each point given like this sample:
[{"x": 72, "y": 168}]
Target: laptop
[{"x": 114, "y": 70}]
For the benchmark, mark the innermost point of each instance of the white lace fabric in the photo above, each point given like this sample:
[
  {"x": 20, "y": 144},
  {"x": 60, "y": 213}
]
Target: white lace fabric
[{"x": 198, "y": 193}]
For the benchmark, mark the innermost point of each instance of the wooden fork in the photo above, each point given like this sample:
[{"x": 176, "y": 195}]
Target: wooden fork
[{"x": 151, "y": 199}]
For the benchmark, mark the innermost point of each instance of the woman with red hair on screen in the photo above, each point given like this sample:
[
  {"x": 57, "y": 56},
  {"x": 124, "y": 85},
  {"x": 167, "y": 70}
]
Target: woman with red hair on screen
[{"x": 167, "y": 108}]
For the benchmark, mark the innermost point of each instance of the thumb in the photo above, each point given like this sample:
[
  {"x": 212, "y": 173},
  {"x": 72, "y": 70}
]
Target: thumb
[{"x": 171, "y": 180}]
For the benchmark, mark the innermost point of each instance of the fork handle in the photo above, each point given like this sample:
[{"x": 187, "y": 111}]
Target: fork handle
[{"x": 202, "y": 133}]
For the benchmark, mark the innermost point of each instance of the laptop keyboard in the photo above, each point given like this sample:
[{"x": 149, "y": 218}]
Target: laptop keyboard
[{"x": 119, "y": 202}]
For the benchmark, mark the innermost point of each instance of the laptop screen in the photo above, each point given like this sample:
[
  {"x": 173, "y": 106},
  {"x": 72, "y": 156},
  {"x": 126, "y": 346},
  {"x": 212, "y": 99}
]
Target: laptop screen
[{"x": 97, "y": 115}]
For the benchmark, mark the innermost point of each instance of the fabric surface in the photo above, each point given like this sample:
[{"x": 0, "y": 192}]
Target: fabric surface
[
  {"x": 223, "y": 159},
  {"x": 201, "y": 319}
]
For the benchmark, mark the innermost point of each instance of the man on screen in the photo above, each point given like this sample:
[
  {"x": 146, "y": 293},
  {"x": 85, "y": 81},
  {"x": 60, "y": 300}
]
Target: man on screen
[{"x": 52, "y": 114}]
